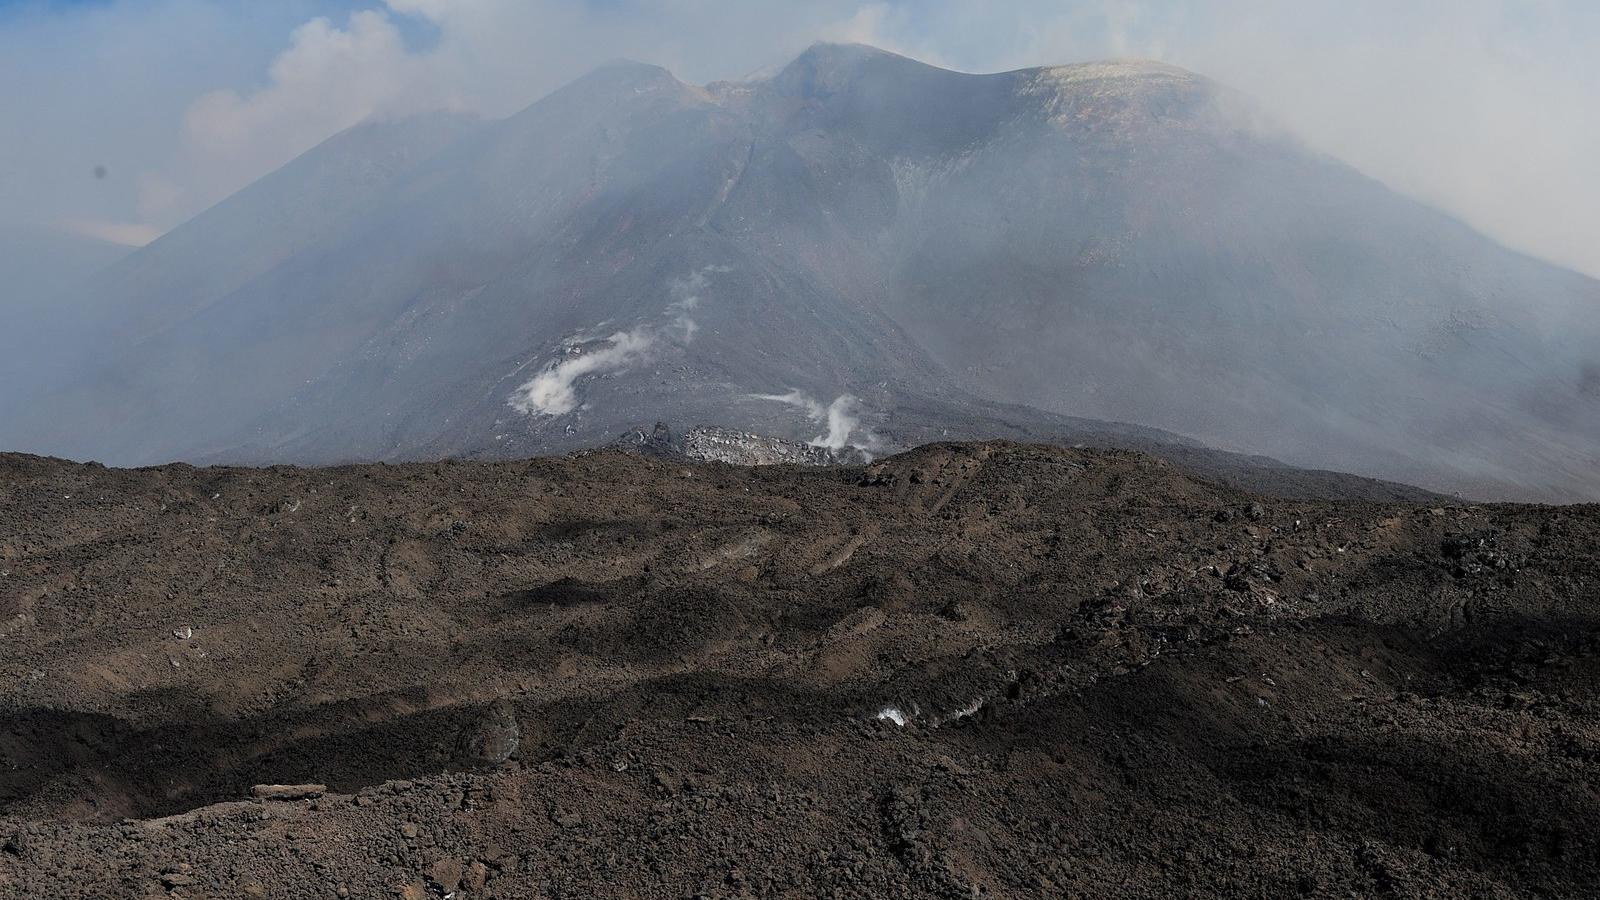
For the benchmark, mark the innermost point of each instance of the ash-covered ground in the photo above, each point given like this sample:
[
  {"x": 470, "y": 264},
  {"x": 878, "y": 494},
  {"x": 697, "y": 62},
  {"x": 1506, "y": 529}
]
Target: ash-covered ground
[{"x": 620, "y": 676}]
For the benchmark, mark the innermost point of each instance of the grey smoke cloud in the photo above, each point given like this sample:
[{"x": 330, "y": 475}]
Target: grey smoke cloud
[{"x": 1481, "y": 107}]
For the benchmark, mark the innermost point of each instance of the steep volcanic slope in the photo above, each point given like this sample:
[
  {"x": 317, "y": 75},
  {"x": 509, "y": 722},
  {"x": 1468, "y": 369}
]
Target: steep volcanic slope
[
  {"x": 1122, "y": 241},
  {"x": 1156, "y": 255},
  {"x": 610, "y": 676},
  {"x": 1130, "y": 241}
]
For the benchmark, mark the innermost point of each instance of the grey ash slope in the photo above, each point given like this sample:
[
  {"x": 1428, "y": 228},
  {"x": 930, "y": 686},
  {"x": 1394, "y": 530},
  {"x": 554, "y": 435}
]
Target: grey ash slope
[{"x": 1122, "y": 241}]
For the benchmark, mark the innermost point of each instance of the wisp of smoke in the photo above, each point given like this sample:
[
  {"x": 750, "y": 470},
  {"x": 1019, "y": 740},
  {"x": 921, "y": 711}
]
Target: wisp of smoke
[
  {"x": 682, "y": 322},
  {"x": 840, "y": 416},
  {"x": 796, "y": 398},
  {"x": 686, "y": 296},
  {"x": 550, "y": 392}
]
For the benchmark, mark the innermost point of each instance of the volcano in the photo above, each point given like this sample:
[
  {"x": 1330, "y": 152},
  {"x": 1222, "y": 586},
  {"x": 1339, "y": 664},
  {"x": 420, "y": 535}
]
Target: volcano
[{"x": 859, "y": 251}]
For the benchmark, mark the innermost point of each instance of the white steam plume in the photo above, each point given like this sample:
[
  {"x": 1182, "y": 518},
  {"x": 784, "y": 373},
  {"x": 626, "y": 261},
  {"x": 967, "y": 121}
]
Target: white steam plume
[
  {"x": 840, "y": 416},
  {"x": 842, "y": 421},
  {"x": 550, "y": 392}
]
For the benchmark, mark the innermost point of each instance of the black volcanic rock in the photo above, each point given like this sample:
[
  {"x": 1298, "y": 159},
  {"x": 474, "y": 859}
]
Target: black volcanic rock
[
  {"x": 861, "y": 250},
  {"x": 1043, "y": 671}
]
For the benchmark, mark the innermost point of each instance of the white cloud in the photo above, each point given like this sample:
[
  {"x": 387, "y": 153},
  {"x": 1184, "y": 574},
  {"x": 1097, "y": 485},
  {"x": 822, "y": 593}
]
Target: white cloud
[{"x": 329, "y": 78}]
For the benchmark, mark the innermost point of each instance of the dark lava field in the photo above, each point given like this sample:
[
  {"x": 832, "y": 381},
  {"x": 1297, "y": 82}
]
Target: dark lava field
[{"x": 970, "y": 670}]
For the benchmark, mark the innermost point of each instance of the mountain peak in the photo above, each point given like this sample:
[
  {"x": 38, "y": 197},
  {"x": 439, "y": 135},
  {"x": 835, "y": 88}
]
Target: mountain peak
[
  {"x": 612, "y": 80},
  {"x": 847, "y": 50},
  {"x": 622, "y": 64},
  {"x": 826, "y": 68},
  {"x": 617, "y": 73}
]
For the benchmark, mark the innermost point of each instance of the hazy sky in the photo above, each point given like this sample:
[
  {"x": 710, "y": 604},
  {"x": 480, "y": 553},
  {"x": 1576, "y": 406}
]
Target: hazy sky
[{"x": 121, "y": 118}]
